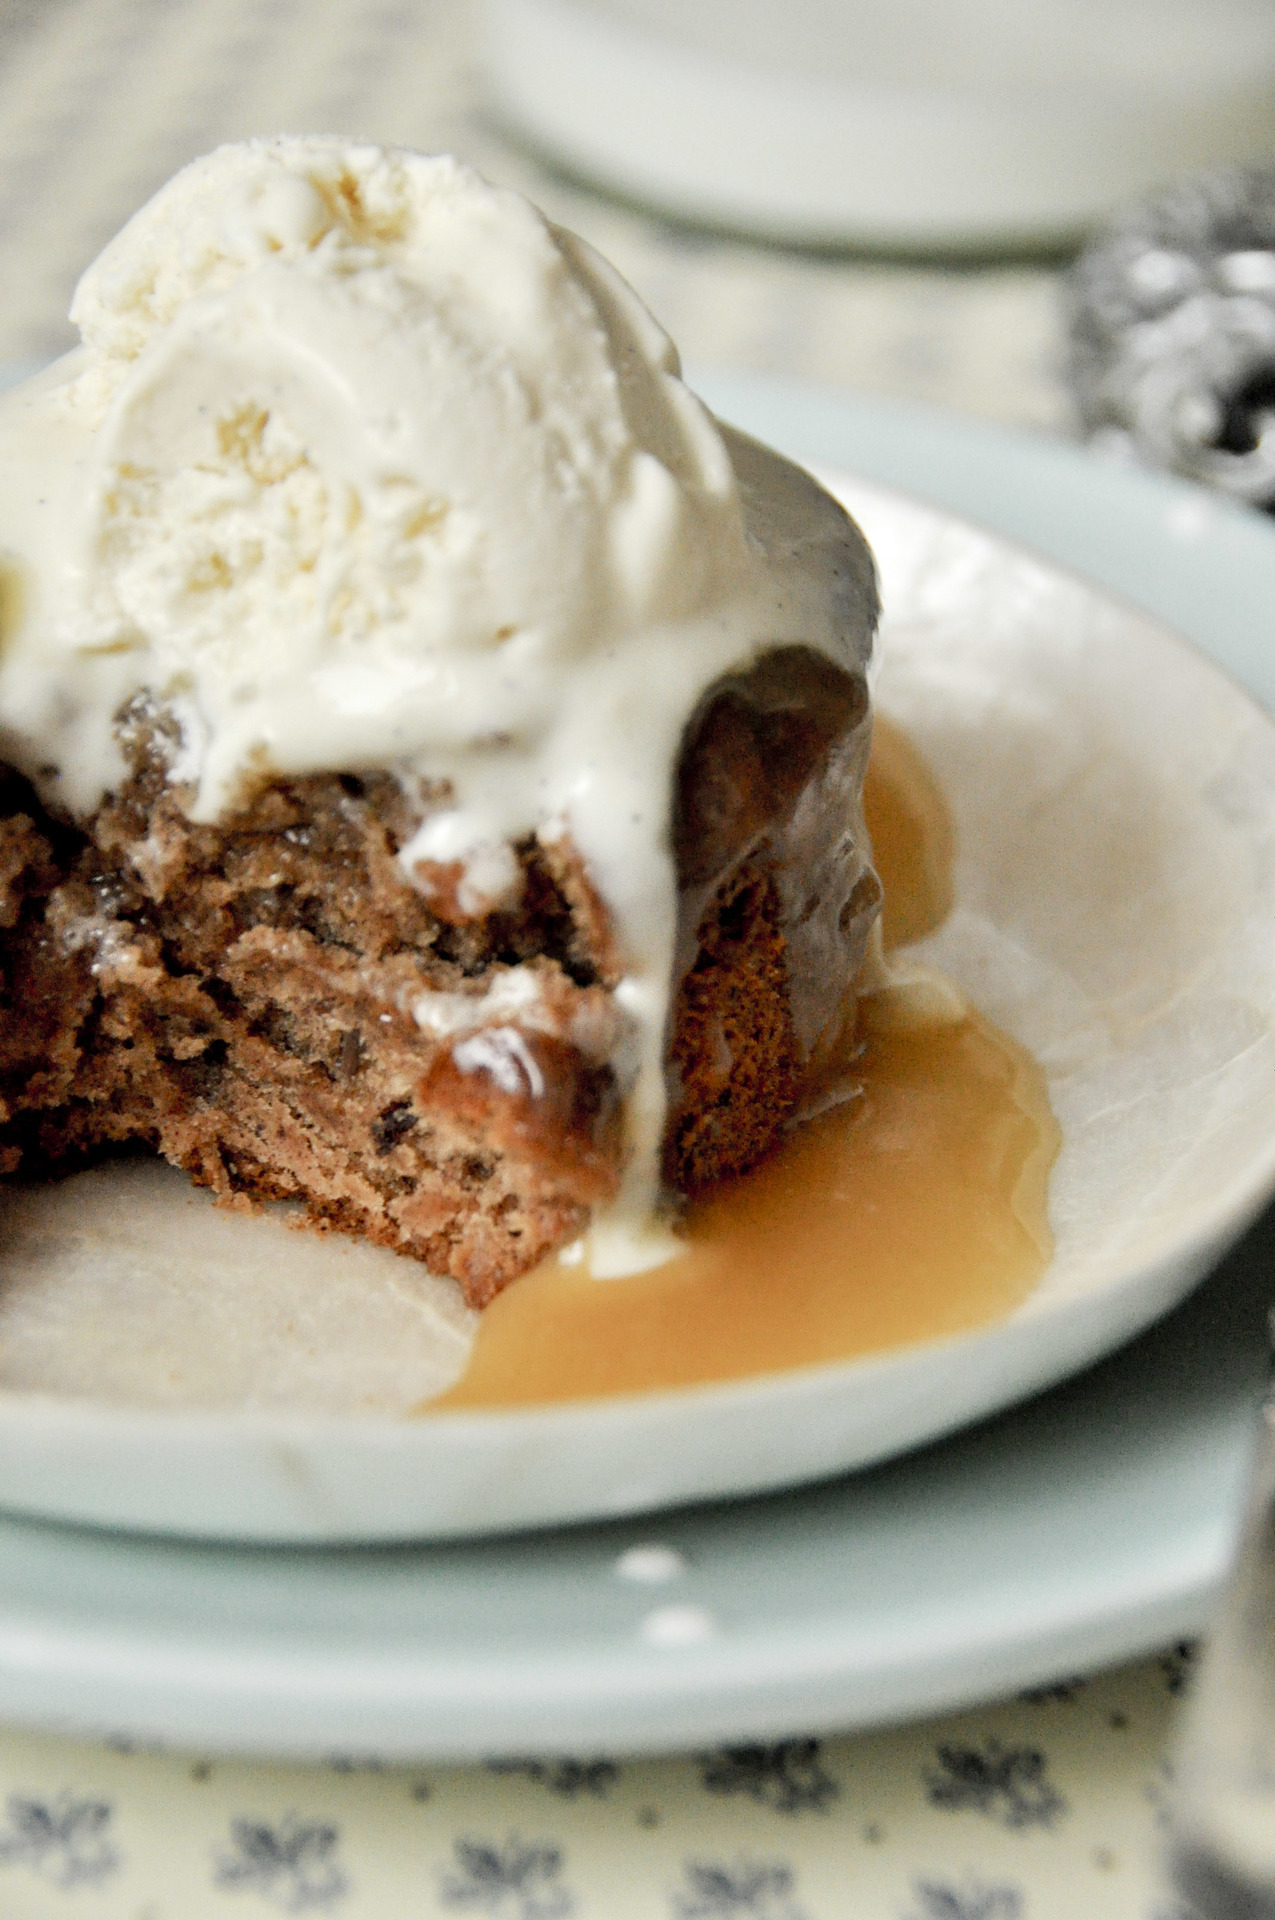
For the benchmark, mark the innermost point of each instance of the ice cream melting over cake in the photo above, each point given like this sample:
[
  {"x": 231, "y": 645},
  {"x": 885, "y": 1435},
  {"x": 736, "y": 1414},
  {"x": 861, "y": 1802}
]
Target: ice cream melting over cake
[{"x": 363, "y": 464}]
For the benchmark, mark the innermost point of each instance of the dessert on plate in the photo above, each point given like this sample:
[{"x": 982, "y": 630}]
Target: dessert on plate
[{"x": 433, "y": 745}]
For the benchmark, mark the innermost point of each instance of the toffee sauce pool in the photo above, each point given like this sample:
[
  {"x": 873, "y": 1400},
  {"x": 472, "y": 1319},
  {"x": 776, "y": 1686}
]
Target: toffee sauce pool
[{"x": 915, "y": 1210}]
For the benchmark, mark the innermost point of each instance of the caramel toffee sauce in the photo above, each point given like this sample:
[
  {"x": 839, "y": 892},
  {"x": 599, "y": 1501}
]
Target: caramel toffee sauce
[{"x": 914, "y": 1210}]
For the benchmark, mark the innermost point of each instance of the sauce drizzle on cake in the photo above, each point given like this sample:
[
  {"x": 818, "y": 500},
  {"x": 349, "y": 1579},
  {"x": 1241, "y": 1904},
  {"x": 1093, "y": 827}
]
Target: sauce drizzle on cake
[{"x": 913, "y": 1211}]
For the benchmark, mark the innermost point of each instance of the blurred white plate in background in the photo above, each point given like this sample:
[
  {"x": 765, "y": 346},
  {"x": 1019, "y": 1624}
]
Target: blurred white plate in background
[{"x": 952, "y": 125}]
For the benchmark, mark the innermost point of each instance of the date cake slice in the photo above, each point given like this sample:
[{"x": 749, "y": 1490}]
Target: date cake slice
[{"x": 436, "y": 745}]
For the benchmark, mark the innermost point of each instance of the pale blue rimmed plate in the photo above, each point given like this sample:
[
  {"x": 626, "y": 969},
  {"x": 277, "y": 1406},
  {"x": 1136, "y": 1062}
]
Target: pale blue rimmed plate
[{"x": 1089, "y": 1524}]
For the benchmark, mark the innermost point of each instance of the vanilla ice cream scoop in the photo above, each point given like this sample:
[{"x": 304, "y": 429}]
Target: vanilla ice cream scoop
[
  {"x": 374, "y": 453},
  {"x": 364, "y": 464}
]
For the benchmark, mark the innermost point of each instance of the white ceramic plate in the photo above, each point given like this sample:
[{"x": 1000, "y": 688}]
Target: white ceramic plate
[
  {"x": 1085, "y": 1526},
  {"x": 169, "y": 1368}
]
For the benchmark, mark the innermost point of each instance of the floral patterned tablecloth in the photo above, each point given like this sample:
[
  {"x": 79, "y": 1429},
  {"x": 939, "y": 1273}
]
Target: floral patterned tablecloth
[
  {"x": 1048, "y": 1807},
  {"x": 1043, "y": 1808}
]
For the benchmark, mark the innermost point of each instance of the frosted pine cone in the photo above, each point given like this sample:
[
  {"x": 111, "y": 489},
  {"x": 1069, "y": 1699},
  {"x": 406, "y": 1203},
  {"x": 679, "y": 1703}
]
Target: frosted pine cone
[{"x": 1171, "y": 314}]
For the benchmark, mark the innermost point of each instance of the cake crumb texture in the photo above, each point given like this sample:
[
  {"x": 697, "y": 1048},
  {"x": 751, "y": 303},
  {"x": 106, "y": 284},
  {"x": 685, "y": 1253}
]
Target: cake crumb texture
[
  {"x": 241, "y": 999},
  {"x": 270, "y": 1004}
]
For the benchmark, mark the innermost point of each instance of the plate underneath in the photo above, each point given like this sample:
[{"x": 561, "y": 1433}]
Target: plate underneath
[
  {"x": 1089, "y": 1525},
  {"x": 1084, "y": 1527}
]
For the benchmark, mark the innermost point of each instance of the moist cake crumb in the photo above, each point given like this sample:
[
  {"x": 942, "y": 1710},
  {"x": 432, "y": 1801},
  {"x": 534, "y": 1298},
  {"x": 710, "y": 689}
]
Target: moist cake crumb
[{"x": 271, "y": 1005}]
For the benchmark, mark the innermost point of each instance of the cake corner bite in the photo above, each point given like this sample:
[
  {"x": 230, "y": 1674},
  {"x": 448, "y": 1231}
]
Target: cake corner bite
[{"x": 436, "y": 747}]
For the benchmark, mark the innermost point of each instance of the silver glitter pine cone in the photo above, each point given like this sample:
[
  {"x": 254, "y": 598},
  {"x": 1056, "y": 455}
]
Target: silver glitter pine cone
[{"x": 1171, "y": 318}]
